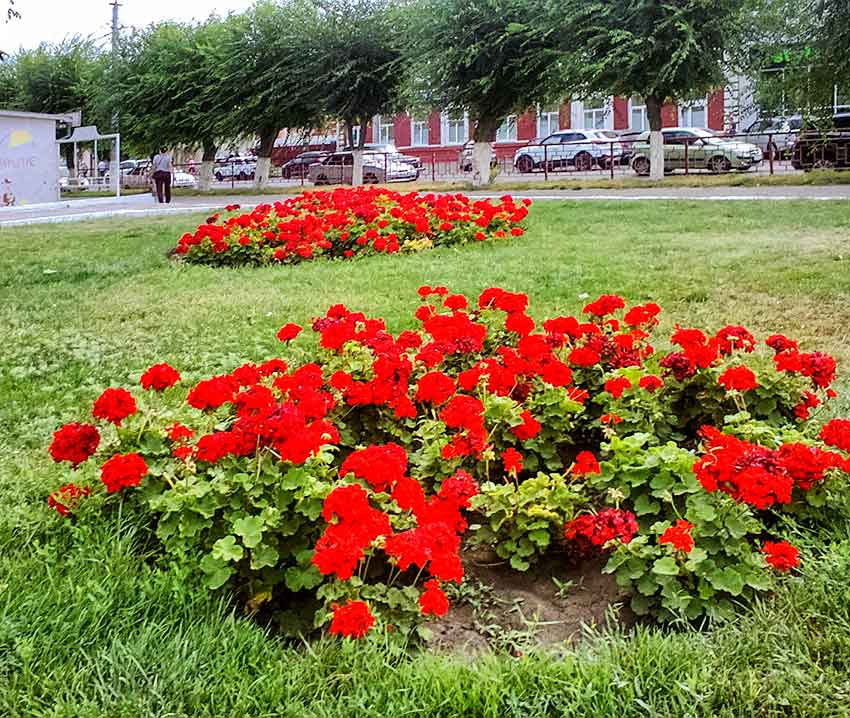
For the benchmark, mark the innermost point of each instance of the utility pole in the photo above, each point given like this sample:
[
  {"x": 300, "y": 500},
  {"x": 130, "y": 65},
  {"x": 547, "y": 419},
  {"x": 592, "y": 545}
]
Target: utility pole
[{"x": 116, "y": 28}]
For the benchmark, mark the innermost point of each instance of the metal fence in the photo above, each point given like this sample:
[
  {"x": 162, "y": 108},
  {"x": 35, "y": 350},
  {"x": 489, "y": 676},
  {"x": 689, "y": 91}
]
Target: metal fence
[{"x": 787, "y": 153}]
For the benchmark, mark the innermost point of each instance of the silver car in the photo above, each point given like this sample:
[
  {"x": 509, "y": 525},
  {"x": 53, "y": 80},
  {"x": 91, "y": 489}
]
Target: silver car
[
  {"x": 781, "y": 131},
  {"x": 695, "y": 148},
  {"x": 338, "y": 168},
  {"x": 571, "y": 148}
]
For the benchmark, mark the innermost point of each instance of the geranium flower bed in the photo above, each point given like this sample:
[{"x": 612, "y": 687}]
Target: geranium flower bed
[
  {"x": 348, "y": 222},
  {"x": 347, "y": 486}
]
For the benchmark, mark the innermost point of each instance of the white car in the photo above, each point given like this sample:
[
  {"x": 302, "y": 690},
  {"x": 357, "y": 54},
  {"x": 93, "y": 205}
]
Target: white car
[
  {"x": 338, "y": 168},
  {"x": 240, "y": 168},
  {"x": 571, "y": 148}
]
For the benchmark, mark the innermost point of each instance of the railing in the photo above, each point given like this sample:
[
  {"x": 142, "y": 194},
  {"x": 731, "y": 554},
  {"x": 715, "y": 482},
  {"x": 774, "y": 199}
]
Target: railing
[{"x": 773, "y": 153}]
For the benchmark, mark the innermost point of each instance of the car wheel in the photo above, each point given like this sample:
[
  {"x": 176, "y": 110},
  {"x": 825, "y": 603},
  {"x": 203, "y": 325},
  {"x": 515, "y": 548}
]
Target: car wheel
[
  {"x": 604, "y": 162},
  {"x": 321, "y": 179},
  {"x": 641, "y": 166},
  {"x": 525, "y": 164},
  {"x": 370, "y": 178},
  {"x": 583, "y": 161},
  {"x": 219, "y": 177},
  {"x": 719, "y": 164},
  {"x": 823, "y": 164}
]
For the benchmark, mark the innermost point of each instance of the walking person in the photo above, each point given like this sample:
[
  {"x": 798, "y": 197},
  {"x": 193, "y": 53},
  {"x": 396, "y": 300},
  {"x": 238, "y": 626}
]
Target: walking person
[{"x": 163, "y": 166}]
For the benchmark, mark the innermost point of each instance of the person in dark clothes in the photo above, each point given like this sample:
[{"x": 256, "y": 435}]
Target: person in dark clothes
[{"x": 163, "y": 166}]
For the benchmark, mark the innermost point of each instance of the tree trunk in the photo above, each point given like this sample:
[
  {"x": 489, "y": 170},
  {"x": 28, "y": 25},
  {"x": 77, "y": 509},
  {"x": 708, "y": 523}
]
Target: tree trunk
[
  {"x": 264, "y": 156},
  {"x": 357, "y": 169},
  {"x": 656, "y": 139},
  {"x": 485, "y": 133},
  {"x": 206, "y": 172}
]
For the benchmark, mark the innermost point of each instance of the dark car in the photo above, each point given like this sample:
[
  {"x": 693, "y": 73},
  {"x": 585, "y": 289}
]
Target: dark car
[
  {"x": 300, "y": 166},
  {"x": 627, "y": 139},
  {"x": 820, "y": 149}
]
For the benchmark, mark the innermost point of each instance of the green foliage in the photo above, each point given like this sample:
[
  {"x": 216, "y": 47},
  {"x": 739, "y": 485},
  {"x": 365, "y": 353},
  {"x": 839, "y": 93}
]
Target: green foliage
[
  {"x": 523, "y": 520},
  {"x": 490, "y": 58},
  {"x": 659, "y": 51},
  {"x": 161, "y": 84},
  {"x": 356, "y": 61}
]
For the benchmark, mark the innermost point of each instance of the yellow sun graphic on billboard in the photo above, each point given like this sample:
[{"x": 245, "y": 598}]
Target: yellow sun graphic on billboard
[{"x": 19, "y": 137}]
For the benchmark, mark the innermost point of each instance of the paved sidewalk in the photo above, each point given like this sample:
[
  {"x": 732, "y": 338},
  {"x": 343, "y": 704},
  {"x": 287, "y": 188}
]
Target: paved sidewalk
[{"x": 143, "y": 205}]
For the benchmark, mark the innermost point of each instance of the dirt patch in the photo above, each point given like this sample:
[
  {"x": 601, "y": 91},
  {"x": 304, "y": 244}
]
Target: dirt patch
[{"x": 552, "y": 603}]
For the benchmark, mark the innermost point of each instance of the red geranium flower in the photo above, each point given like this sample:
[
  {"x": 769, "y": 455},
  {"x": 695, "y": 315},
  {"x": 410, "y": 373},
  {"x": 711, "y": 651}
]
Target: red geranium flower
[
  {"x": 433, "y": 600},
  {"x": 513, "y": 461},
  {"x": 435, "y": 388},
  {"x": 67, "y": 498},
  {"x": 650, "y": 382},
  {"x": 738, "y": 378},
  {"x": 353, "y": 620},
  {"x": 114, "y": 405},
  {"x": 616, "y": 386},
  {"x": 123, "y": 470},
  {"x": 585, "y": 463},
  {"x": 160, "y": 377},
  {"x": 679, "y": 536},
  {"x": 836, "y": 433},
  {"x": 288, "y": 332},
  {"x": 781, "y": 555},
  {"x": 74, "y": 443}
]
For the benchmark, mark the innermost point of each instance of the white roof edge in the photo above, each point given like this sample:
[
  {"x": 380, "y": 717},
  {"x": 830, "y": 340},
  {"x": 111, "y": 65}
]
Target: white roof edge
[{"x": 36, "y": 116}]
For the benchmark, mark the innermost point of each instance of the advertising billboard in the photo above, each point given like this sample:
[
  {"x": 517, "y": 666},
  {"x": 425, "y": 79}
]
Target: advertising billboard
[{"x": 29, "y": 160}]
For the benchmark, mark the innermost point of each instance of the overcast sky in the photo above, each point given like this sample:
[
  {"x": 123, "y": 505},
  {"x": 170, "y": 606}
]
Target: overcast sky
[{"x": 52, "y": 20}]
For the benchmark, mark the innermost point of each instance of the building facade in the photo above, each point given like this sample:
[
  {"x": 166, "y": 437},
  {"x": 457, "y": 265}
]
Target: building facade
[{"x": 439, "y": 135}]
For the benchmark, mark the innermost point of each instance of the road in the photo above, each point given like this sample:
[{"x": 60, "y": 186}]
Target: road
[{"x": 144, "y": 205}]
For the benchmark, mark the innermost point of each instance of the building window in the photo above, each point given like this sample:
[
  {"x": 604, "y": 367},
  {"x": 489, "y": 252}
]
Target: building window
[
  {"x": 694, "y": 114},
  {"x": 455, "y": 128},
  {"x": 548, "y": 120},
  {"x": 419, "y": 133},
  {"x": 384, "y": 131},
  {"x": 637, "y": 115},
  {"x": 507, "y": 130},
  {"x": 595, "y": 111}
]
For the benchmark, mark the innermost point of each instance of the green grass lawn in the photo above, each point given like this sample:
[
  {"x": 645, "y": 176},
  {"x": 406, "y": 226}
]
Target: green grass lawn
[{"x": 88, "y": 629}]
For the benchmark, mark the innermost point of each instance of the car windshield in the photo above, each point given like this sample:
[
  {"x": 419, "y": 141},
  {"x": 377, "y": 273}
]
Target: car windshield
[
  {"x": 606, "y": 134},
  {"x": 699, "y": 132}
]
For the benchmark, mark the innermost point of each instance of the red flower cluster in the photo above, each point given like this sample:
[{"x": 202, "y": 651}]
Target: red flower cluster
[
  {"x": 738, "y": 378},
  {"x": 123, "y": 470},
  {"x": 353, "y": 620},
  {"x": 67, "y": 498},
  {"x": 781, "y": 555},
  {"x": 758, "y": 475},
  {"x": 585, "y": 464},
  {"x": 346, "y": 222},
  {"x": 160, "y": 377},
  {"x": 679, "y": 536},
  {"x": 590, "y": 533},
  {"x": 433, "y": 600},
  {"x": 74, "y": 443},
  {"x": 114, "y": 405},
  {"x": 836, "y": 432}
]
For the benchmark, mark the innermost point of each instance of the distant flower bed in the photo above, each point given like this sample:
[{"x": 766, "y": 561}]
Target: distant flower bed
[
  {"x": 348, "y": 222},
  {"x": 346, "y": 485}
]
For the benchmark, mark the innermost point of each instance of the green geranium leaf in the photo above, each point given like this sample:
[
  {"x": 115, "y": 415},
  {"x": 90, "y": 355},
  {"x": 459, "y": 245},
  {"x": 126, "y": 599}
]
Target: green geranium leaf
[
  {"x": 250, "y": 529},
  {"x": 226, "y": 549},
  {"x": 665, "y": 566}
]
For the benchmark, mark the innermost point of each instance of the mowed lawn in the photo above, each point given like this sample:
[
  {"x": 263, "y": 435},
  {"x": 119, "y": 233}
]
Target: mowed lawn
[{"x": 87, "y": 628}]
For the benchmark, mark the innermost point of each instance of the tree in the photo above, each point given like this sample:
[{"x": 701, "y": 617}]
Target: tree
[
  {"x": 486, "y": 57},
  {"x": 162, "y": 83},
  {"x": 358, "y": 66},
  {"x": 798, "y": 52},
  {"x": 662, "y": 51},
  {"x": 266, "y": 72}
]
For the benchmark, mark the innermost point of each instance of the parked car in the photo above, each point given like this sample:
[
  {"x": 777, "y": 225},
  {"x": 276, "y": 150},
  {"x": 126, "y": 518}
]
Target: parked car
[
  {"x": 780, "y": 131},
  {"x": 389, "y": 149},
  {"x": 300, "y": 165},
  {"x": 338, "y": 168},
  {"x": 577, "y": 148},
  {"x": 240, "y": 168},
  {"x": 627, "y": 140},
  {"x": 68, "y": 183},
  {"x": 819, "y": 150},
  {"x": 140, "y": 176},
  {"x": 698, "y": 149},
  {"x": 128, "y": 166},
  {"x": 466, "y": 156}
]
